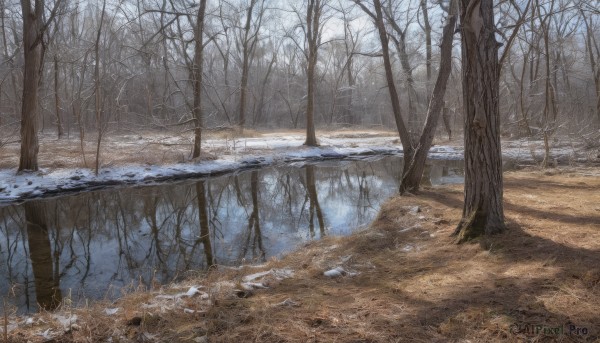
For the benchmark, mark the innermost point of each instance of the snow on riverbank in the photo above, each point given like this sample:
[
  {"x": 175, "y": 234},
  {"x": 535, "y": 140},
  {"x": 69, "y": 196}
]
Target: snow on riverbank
[{"x": 241, "y": 154}]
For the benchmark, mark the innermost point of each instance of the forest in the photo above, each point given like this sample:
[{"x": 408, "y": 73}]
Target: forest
[
  {"x": 369, "y": 170},
  {"x": 107, "y": 67}
]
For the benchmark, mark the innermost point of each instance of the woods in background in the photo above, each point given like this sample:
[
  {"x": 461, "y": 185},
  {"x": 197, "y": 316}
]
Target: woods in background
[{"x": 103, "y": 66}]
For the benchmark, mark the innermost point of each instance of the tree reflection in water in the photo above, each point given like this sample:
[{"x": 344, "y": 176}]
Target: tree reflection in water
[
  {"x": 204, "y": 224},
  {"x": 314, "y": 206},
  {"x": 254, "y": 239},
  {"x": 45, "y": 272}
]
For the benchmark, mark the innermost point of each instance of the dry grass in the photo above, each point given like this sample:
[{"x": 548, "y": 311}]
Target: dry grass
[
  {"x": 413, "y": 284},
  {"x": 146, "y": 148}
]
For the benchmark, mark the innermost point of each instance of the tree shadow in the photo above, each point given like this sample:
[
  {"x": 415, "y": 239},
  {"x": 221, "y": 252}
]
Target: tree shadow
[
  {"x": 541, "y": 183},
  {"x": 517, "y": 297},
  {"x": 554, "y": 216}
]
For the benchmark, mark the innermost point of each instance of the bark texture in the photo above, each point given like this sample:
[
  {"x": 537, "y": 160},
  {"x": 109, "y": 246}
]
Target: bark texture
[
  {"x": 483, "y": 208},
  {"x": 32, "y": 53}
]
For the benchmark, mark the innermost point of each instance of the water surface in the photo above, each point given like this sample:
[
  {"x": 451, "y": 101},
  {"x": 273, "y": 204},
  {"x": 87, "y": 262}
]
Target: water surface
[{"x": 95, "y": 245}]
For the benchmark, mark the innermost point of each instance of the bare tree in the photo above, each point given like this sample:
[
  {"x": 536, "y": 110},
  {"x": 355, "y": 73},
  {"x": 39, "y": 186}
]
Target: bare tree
[
  {"x": 414, "y": 165},
  {"x": 415, "y": 151}
]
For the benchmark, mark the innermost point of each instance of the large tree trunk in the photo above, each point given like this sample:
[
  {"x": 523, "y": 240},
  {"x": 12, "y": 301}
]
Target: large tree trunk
[
  {"x": 32, "y": 51},
  {"x": 197, "y": 78},
  {"x": 414, "y": 165},
  {"x": 483, "y": 208}
]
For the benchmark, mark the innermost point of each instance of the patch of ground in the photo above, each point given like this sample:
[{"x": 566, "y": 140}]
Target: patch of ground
[{"x": 403, "y": 279}]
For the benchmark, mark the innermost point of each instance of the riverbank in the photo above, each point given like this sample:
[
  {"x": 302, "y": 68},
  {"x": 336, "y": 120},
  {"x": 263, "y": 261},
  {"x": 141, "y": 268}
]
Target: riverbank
[
  {"x": 402, "y": 279},
  {"x": 151, "y": 157}
]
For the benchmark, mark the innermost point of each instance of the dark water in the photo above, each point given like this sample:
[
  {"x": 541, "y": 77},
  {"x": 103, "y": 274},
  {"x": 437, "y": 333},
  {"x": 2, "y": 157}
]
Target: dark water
[{"x": 93, "y": 245}]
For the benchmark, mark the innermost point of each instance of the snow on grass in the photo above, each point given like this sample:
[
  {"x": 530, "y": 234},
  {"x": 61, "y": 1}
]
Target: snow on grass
[
  {"x": 245, "y": 153},
  {"x": 47, "y": 182}
]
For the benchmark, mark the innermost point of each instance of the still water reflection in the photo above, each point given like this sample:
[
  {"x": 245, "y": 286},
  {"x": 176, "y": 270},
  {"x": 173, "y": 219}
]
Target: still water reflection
[{"x": 93, "y": 245}]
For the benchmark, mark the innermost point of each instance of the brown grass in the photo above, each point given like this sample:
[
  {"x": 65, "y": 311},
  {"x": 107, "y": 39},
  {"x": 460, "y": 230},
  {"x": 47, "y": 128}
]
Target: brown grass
[{"x": 414, "y": 284}]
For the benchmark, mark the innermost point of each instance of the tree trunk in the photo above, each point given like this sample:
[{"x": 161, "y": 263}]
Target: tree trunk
[
  {"x": 348, "y": 112},
  {"x": 197, "y": 78},
  {"x": 261, "y": 103},
  {"x": 446, "y": 119},
  {"x": 550, "y": 110},
  {"x": 32, "y": 51},
  {"x": 428, "y": 53},
  {"x": 313, "y": 15},
  {"x": 247, "y": 50},
  {"x": 413, "y": 117},
  {"x": 524, "y": 119},
  {"x": 483, "y": 208},
  {"x": 243, "y": 85},
  {"x": 98, "y": 89},
  {"x": 57, "y": 99}
]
